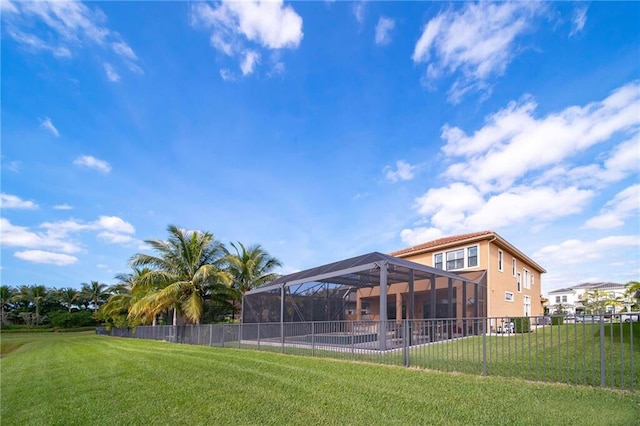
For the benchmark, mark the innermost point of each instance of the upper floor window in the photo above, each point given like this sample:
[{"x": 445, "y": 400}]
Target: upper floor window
[
  {"x": 557, "y": 299},
  {"x": 513, "y": 267},
  {"x": 564, "y": 299},
  {"x": 500, "y": 256},
  {"x": 437, "y": 261},
  {"x": 527, "y": 279},
  {"x": 519, "y": 282},
  {"x": 472, "y": 256},
  {"x": 455, "y": 259}
]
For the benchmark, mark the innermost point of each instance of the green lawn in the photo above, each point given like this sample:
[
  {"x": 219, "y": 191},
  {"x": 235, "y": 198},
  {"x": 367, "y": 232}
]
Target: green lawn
[{"x": 81, "y": 378}]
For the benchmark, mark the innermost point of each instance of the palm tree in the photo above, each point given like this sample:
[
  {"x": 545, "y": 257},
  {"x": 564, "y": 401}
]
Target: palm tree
[
  {"x": 67, "y": 297},
  {"x": 95, "y": 292},
  {"x": 123, "y": 295},
  {"x": 32, "y": 295},
  {"x": 187, "y": 269},
  {"x": 633, "y": 291},
  {"x": 249, "y": 268},
  {"x": 6, "y": 294}
]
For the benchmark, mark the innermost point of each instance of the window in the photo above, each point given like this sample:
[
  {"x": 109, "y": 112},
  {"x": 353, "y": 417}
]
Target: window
[
  {"x": 455, "y": 259},
  {"x": 437, "y": 261},
  {"x": 557, "y": 299},
  {"x": 513, "y": 267},
  {"x": 527, "y": 279},
  {"x": 500, "y": 260},
  {"x": 527, "y": 306},
  {"x": 508, "y": 296},
  {"x": 519, "y": 282},
  {"x": 564, "y": 299},
  {"x": 472, "y": 256}
]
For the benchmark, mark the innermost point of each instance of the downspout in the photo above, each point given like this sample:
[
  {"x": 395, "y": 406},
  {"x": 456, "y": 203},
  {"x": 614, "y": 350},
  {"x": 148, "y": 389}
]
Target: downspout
[{"x": 488, "y": 289}]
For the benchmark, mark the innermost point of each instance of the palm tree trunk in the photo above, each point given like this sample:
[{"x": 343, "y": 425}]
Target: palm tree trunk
[
  {"x": 175, "y": 316},
  {"x": 155, "y": 320}
]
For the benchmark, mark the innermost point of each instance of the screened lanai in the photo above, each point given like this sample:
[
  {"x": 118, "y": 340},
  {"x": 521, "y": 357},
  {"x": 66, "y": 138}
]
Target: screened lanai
[{"x": 372, "y": 287}]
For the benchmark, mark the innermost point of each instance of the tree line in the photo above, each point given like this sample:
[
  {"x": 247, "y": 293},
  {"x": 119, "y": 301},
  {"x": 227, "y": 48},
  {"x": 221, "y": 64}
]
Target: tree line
[{"x": 190, "y": 277}]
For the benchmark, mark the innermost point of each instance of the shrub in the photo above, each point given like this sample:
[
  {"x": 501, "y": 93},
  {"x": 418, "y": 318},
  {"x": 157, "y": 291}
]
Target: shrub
[
  {"x": 522, "y": 324},
  {"x": 557, "y": 320}
]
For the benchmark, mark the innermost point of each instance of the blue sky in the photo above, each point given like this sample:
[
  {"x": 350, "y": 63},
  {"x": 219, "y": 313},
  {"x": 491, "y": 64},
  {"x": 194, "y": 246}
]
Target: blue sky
[{"x": 320, "y": 130}]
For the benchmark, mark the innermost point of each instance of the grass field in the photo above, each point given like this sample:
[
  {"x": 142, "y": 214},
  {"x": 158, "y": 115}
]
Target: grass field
[{"x": 81, "y": 378}]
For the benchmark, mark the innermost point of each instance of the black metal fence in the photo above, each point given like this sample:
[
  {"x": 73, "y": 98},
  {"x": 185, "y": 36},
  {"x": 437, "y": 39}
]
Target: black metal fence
[{"x": 594, "y": 350}]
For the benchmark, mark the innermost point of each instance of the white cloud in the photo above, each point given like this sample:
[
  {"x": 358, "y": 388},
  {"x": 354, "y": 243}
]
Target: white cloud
[
  {"x": 111, "y": 73},
  {"x": 404, "y": 171},
  {"x": 41, "y": 256},
  {"x": 419, "y": 235},
  {"x": 251, "y": 58},
  {"x": 62, "y": 28},
  {"x": 8, "y": 201},
  {"x": 114, "y": 224},
  {"x": 513, "y": 142},
  {"x": 92, "y": 163},
  {"x": 47, "y": 124},
  {"x": 578, "y": 20},
  {"x": 260, "y": 24},
  {"x": 64, "y": 206},
  {"x": 477, "y": 41},
  {"x": 625, "y": 204},
  {"x": 358, "y": 11},
  {"x": 20, "y": 236},
  {"x": 14, "y": 166},
  {"x": 115, "y": 238},
  {"x": 576, "y": 251},
  {"x": 227, "y": 75},
  {"x": 383, "y": 30}
]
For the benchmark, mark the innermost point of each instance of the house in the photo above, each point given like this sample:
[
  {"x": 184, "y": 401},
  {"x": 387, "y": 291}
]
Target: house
[
  {"x": 570, "y": 300},
  {"x": 514, "y": 284},
  {"x": 458, "y": 278}
]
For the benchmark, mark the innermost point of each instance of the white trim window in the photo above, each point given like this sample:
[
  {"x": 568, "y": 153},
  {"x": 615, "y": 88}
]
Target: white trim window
[
  {"x": 513, "y": 266},
  {"x": 527, "y": 279},
  {"x": 437, "y": 261},
  {"x": 472, "y": 256},
  {"x": 519, "y": 282},
  {"x": 500, "y": 257},
  {"x": 527, "y": 306},
  {"x": 455, "y": 259},
  {"x": 509, "y": 297}
]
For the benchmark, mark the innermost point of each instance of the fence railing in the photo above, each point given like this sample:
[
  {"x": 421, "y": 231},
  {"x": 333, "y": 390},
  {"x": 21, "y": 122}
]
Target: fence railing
[{"x": 593, "y": 350}]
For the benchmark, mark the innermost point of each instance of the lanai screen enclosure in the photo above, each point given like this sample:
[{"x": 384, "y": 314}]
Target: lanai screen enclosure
[{"x": 375, "y": 288}]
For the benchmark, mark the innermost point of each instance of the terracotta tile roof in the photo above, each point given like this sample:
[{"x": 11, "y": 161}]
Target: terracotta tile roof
[{"x": 441, "y": 242}]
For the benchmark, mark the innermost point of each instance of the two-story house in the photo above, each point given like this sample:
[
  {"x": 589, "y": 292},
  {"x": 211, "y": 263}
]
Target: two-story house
[{"x": 513, "y": 278}]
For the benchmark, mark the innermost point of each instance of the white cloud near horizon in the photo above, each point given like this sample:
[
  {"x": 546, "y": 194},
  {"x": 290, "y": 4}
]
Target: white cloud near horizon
[
  {"x": 91, "y": 162},
  {"x": 515, "y": 168},
  {"x": 383, "y": 30},
  {"x": 47, "y": 124},
  {"x": 576, "y": 251},
  {"x": 58, "y": 238},
  {"x": 41, "y": 256},
  {"x": 69, "y": 27},
  {"x": 241, "y": 28},
  {"x": 476, "y": 42},
  {"x": 625, "y": 204},
  {"x": 403, "y": 171},
  {"x": 8, "y": 201}
]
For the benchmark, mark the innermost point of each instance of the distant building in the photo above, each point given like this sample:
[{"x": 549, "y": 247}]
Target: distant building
[{"x": 570, "y": 300}]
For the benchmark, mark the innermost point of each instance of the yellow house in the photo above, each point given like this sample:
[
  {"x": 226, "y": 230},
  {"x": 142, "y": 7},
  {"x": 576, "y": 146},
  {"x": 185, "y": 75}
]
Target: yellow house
[{"x": 513, "y": 279}]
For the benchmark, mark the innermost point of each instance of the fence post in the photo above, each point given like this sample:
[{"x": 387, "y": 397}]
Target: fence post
[
  {"x": 602, "y": 354},
  {"x": 484, "y": 350},
  {"x": 239, "y": 334},
  {"x": 405, "y": 342},
  {"x": 313, "y": 338},
  {"x": 210, "y": 335},
  {"x": 258, "y": 336},
  {"x": 223, "y": 334}
]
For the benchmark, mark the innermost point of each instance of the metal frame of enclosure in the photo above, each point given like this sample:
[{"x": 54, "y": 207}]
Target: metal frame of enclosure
[{"x": 337, "y": 292}]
